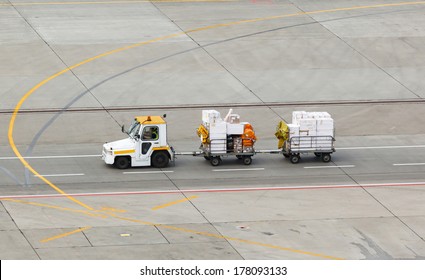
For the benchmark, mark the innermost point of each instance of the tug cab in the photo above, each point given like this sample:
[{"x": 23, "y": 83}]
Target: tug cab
[{"x": 146, "y": 145}]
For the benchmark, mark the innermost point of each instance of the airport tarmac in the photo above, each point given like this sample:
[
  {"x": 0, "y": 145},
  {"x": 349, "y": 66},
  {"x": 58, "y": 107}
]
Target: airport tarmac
[{"x": 72, "y": 72}]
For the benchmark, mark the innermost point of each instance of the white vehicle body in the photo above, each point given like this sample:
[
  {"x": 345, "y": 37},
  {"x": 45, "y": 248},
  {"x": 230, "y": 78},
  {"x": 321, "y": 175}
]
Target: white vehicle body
[{"x": 146, "y": 145}]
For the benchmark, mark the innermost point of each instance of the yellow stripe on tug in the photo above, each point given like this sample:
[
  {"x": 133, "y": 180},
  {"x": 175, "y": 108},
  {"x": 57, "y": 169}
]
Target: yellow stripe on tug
[{"x": 124, "y": 152}]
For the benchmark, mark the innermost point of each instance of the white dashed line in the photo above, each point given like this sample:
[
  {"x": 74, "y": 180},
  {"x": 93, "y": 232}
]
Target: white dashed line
[
  {"x": 146, "y": 172},
  {"x": 60, "y": 175},
  {"x": 240, "y": 169},
  {"x": 380, "y": 147},
  {"x": 51, "y": 157},
  {"x": 332, "y": 166},
  {"x": 409, "y": 164}
]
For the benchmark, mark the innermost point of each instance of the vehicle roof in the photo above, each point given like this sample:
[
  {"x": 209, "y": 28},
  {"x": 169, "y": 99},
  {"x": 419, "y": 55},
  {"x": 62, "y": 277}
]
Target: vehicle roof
[{"x": 150, "y": 120}]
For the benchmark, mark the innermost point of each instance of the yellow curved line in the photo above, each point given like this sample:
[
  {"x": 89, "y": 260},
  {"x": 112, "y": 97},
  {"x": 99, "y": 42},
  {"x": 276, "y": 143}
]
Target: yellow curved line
[
  {"x": 219, "y": 236},
  {"x": 97, "y": 214},
  {"x": 45, "y": 81},
  {"x": 111, "y": 212},
  {"x": 30, "y": 92}
]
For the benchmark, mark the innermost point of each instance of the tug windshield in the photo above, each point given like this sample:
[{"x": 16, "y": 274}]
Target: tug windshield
[{"x": 133, "y": 130}]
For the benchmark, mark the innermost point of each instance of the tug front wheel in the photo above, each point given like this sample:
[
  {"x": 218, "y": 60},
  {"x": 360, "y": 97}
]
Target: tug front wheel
[{"x": 122, "y": 162}]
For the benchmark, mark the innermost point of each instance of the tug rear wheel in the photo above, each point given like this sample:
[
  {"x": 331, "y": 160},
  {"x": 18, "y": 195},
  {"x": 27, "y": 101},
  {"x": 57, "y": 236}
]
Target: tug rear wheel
[{"x": 160, "y": 159}]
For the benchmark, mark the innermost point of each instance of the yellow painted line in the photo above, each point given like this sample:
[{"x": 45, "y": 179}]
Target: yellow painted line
[
  {"x": 64, "y": 234},
  {"x": 108, "y": 2},
  {"x": 124, "y": 152},
  {"x": 85, "y": 212},
  {"x": 110, "y": 213},
  {"x": 45, "y": 81},
  {"x": 218, "y": 236},
  {"x": 304, "y": 13},
  {"x": 31, "y": 91},
  {"x": 174, "y": 202},
  {"x": 111, "y": 209}
]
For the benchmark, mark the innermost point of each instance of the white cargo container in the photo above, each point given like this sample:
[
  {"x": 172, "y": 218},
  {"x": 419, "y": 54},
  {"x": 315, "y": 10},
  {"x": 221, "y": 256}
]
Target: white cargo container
[
  {"x": 210, "y": 116},
  {"x": 310, "y": 132},
  {"x": 235, "y": 128},
  {"x": 294, "y": 130},
  {"x": 224, "y": 137},
  {"x": 297, "y": 115},
  {"x": 317, "y": 115},
  {"x": 325, "y": 132},
  {"x": 218, "y": 136},
  {"x": 218, "y": 127},
  {"x": 307, "y": 127},
  {"x": 233, "y": 119},
  {"x": 218, "y": 145}
]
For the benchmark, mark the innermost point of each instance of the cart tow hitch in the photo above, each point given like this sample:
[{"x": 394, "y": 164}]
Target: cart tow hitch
[
  {"x": 268, "y": 151},
  {"x": 194, "y": 153}
]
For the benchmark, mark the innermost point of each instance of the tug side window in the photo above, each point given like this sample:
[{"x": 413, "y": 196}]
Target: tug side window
[
  {"x": 150, "y": 133},
  {"x": 145, "y": 147}
]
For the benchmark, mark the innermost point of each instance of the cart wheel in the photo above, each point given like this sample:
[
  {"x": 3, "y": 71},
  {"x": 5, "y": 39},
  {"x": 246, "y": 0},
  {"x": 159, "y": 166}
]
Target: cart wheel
[
  {"x": 286, "y": 155},
  {"x": 247, "y": 160},
  {"x": 207, "y": 158},
  {"x": 294, "y": 159},
  {"x": 215, "y": 161},
  {"x": 318, "y": 154},
  {"x": 326, "y": 157},
  {"x": 238, "y": 156}
]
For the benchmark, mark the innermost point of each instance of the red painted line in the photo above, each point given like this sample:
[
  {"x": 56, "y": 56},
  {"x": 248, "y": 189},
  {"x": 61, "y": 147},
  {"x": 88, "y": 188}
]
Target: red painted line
[{"x": 289, "y": 188}]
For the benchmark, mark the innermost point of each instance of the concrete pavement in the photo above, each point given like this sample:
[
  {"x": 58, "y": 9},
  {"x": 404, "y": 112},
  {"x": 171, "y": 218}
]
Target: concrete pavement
[{"x": 372, "y": 53}]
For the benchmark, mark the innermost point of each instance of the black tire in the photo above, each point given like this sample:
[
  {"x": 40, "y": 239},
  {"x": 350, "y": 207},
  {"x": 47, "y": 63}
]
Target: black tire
[
  {"x": 318, "y": 154},
  {"x": 247, "y": 160},
  {"x": 122, "y": 162},
  {"x": 160, "y": 159},
  {"x": 326, "y": 157},
  {"x": 286, "y": 155},
  {"x": 239, "y": 157},
  {"x": 215, "y": 161},
  {"x": 294, "y": 159},
  {"x": 207, "y": 158}
]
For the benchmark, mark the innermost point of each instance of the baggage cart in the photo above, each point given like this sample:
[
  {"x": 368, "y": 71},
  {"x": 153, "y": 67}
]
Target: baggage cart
[
  {"x": 321, "y": 146},
  {"x": 214, "y": 152}
]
